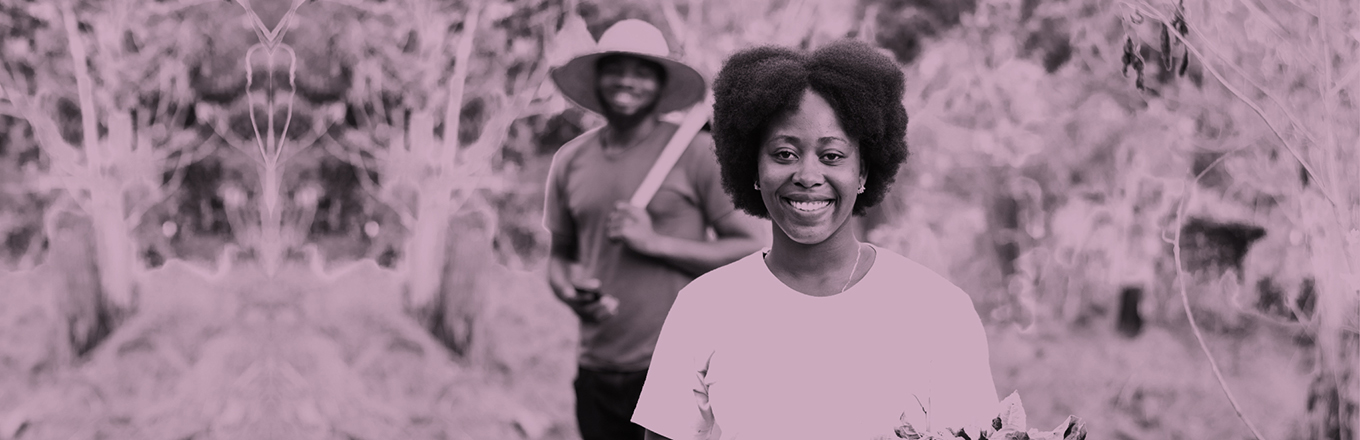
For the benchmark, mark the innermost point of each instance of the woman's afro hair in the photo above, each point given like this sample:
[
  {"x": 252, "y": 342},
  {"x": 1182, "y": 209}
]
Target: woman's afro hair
[{"x": 758, "y": 86}]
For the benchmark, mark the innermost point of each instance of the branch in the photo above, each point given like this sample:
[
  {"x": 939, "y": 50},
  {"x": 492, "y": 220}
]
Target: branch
[
  {"x": 235, "y": 141},
  {"x": 453, "y": 111},
  {"x": 94, "y": 158},
  {"x": 10, "y": 110},
  {"x": 319, "y": 130},
  {"x": 380, "y": 9},
  {"x": 64, "y": 156},
  {"x": 1293, "y": 150},
  {"x": 167, "y": 8},
  {"x": 372, "y": 188},
  {"x": 677, "y": 25},
  {"x": 1185, "y": 302},
  {"x": 163, "y": 193},
  {"x": 1328, "y": 109},
  {"x": 498, "y": 127}
]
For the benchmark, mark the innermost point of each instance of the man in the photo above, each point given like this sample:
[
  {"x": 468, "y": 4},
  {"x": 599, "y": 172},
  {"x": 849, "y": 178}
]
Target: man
[{"x": 617, "y": 266}]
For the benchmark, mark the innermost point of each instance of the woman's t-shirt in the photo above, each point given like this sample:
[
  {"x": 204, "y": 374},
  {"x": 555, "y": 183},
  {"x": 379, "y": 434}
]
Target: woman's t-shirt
[{"x": 782, "y": 364}]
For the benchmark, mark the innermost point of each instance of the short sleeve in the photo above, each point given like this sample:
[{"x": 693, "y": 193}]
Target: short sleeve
[
  {"x": 668, "y": 404},
  {"x": 557, "y": 217},
  {"x": 704, "y": 171},
  {"x": 965, "y": 395}
]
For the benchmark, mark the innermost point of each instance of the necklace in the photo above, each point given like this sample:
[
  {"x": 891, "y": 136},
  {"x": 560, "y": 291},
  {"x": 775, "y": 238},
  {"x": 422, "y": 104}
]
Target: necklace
[{"x": 858, "y": 250}]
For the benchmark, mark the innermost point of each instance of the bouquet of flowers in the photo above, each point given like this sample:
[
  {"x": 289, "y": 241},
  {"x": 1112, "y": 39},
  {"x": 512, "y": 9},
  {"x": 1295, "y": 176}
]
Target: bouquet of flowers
[{"x": 1008, "y": 425}]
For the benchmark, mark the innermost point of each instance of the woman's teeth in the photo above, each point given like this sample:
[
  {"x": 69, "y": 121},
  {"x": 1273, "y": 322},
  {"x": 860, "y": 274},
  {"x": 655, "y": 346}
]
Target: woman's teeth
[{"x": 810, "y": 206}]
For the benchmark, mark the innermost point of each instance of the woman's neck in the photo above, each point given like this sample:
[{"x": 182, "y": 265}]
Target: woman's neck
[{"x": 829, "y": 258}]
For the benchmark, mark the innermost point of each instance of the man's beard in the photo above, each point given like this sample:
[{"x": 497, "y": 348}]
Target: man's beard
[{"x": 622, "y": 121}]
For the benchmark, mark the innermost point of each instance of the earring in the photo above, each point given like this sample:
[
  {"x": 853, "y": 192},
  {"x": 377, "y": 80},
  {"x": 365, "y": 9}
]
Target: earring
[
  {"x": 861, "y": 190},
  {"x": 757, "y": 185}
]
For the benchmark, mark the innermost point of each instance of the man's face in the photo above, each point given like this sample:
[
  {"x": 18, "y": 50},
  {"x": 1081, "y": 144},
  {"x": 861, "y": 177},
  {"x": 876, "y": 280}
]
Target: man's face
[{"x": 628, "y": 86}]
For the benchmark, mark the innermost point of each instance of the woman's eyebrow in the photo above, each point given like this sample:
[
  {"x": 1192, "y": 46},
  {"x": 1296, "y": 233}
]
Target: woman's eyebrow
[
  {"x": 796, "y": 140},
  {"x": 777, "y": 137},
  {"x": 828, "y": 139}
]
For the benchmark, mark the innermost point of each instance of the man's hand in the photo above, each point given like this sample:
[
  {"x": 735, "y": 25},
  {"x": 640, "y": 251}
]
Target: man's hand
[
  {"x": 567, "y": 287},
  {"x": 594, "y": 311},
  {"x": 632, "y": 226},
  {"x": 590, "y": 308},
  {"x": 738, "y": 235}
]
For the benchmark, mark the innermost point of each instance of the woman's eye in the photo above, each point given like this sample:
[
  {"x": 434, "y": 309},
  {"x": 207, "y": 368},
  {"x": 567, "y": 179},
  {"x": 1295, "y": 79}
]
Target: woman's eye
[
  {"x": 832, "y": 157},
  {"x": 785, "y": 155}
]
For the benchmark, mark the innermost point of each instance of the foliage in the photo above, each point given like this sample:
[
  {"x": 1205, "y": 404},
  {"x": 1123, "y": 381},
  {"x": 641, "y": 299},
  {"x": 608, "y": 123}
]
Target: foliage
[
  {"x": 1047, "y": 191},
  {"x": 1265, "y": 66},
  {"x": 106, "y": 117},
  {"x": 1058, "y": 147},
  {"x": 1009, "y": 424}
]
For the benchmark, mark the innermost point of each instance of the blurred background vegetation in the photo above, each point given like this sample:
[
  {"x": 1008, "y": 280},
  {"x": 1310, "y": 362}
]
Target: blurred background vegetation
[{"x": 321, "y": 219}]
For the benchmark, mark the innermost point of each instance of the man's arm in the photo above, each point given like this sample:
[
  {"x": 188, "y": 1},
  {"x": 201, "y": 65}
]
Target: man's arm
[
  {"x": 563, "y": 256},
  {"x": 738, "y": 235}
]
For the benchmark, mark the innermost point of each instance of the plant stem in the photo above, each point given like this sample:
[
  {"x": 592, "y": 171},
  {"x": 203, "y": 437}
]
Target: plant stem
[
  {"x": 1293, "y": 150},
  {"x": 1194, "y": 327},
  {"x": 448, "y": 152},
  {"x": 80, "y": 58}
]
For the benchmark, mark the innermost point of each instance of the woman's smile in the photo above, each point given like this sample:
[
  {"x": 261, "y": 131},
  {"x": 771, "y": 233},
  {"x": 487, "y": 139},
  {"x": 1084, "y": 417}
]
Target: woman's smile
[{"x": 815, "y": 206}]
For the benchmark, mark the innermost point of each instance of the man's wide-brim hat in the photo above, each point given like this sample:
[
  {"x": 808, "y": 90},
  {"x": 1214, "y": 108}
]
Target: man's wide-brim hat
[{"x": 577, "y": 78}]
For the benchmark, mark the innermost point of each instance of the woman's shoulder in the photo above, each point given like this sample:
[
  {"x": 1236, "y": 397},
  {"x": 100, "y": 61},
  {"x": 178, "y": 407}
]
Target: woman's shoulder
[
  {"x": 926, "y": 284},
  {"x": 740, "y": 275},
  {"x": 898, "y": 265}
]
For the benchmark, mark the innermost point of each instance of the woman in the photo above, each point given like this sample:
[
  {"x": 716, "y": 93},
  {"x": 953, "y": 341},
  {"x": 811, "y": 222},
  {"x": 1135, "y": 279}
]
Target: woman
[{"x": 820, "y": 336}]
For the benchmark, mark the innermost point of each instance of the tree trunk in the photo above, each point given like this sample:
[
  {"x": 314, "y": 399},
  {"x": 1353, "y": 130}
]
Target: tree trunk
[
  {"x": 426, "y": 249},
  {"x": 465, "y": 277},
  {"x": 113, "y": 246},
  {"x": 80, "y": 299},
  {"x": 272, "y": 245}
]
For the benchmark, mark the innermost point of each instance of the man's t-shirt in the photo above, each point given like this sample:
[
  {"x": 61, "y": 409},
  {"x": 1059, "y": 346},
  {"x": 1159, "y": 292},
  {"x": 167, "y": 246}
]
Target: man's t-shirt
[
  {"x": 584, "y": 184},
  {"x": 782, "y": 364}
]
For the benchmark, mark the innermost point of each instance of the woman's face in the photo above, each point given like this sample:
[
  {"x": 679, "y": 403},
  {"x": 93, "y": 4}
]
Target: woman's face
[{"x": 809, "y": 172}]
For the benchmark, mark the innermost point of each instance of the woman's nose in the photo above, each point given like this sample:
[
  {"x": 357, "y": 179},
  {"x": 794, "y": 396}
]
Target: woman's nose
[{"x": 809, "y": 174}]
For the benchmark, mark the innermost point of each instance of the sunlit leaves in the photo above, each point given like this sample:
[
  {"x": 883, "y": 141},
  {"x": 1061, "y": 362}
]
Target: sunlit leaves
[
  {"x": 1010, "y": 424},
  {"x": 1012, "y": 413}
]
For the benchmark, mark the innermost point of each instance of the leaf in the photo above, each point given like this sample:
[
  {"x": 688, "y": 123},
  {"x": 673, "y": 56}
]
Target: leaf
[
  {"x": 1076, "y": 429},
  {"x": 1128, "y": 55},
  {"x": 1012, "y": 413},
  {"x": 907, "y": 431},
  {"x": 1185, "y": 62},
  {"x": 1166, "y": 49}
]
